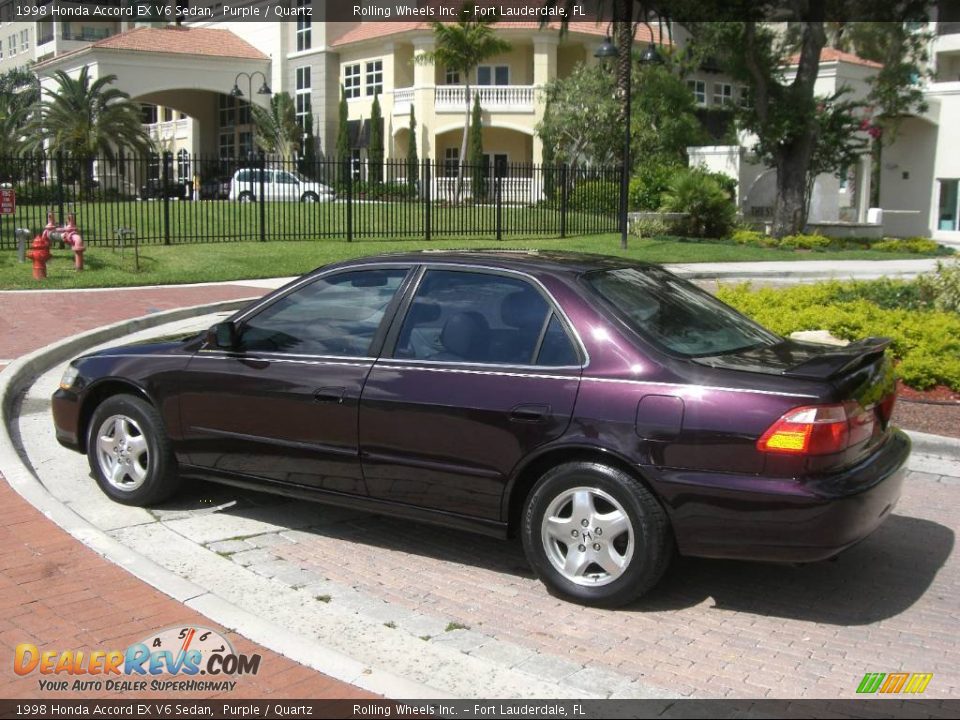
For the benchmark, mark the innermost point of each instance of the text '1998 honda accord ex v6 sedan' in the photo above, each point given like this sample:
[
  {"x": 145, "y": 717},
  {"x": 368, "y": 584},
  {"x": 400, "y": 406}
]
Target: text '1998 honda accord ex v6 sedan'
[{"x": 608, "y": 412}]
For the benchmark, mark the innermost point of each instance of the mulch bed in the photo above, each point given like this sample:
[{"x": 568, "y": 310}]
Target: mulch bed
[{"x": 934, "y": 411}]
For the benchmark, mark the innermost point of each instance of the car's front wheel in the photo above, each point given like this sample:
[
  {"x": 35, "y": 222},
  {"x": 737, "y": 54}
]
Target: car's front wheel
[
  {"x": 129, "y": 452},
  {"x": 310, "y": 197},
  {"x": 595, "y": 535}
]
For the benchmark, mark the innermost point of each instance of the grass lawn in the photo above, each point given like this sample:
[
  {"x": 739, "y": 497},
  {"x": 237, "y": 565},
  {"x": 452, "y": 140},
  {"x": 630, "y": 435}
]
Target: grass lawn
[{"x": 233, "y": 261}]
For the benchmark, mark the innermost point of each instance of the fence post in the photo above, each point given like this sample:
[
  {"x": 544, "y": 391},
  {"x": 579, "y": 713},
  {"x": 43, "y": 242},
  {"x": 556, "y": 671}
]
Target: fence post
[
  {"x": 164, "y": 187},
  {"x": 499, "y": 191},
  {"x": 58, "y": 173},
  {"x": 427, "y": 196},
  {"x": 350, "y": 200},
  {"x": 564, "y": 197},
  {"x": 262, "y": 165}
]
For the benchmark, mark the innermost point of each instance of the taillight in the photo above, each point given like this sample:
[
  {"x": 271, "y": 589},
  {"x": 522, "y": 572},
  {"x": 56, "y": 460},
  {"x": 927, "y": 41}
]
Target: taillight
[{"x": 813, "y": 430}]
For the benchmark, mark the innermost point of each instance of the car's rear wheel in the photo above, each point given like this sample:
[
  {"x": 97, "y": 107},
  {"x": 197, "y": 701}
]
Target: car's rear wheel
[
  {"x": 246, "y": 197},
  {"x": 129, "y": 452},
  {"x": 595, "y": 535},
  {"x": 310, "y": 197}
]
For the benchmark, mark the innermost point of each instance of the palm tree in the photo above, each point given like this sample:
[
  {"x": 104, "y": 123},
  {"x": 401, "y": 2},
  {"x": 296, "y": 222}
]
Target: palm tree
[
  {"x": 460, "y": 48},
  {"x": 277, "y": 131},
  {"x": 86, "y": 118},
  {"x": 12, "y": 119}
]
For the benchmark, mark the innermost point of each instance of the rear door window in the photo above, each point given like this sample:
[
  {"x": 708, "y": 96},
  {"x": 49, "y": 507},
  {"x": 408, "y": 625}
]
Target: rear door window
[{"x": 475, "y": 317}]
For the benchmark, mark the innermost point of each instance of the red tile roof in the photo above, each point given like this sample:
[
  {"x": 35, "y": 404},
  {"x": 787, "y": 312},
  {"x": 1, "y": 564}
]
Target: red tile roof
[
  {"x": 182, "y": 41},
  {"x": 373, "y": 30},
  {"x": 834, "y": 55}
]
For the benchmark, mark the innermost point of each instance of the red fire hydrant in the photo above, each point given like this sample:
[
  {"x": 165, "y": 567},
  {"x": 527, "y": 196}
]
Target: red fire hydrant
[
  {"x": 72, "y": 237},
  {"x": 39, "y": 252}
]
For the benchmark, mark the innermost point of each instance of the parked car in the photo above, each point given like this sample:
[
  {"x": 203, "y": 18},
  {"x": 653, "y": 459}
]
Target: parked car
[
  {"x": 608, "y": 412},
  {"x": 215, "y": 189},
  {"x": 153, "y": 189},
  {"x": 277, "y": 185}
]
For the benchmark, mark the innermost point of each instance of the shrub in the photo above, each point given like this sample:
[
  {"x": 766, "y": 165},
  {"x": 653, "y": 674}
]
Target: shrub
[
  {"x": 913, "y": 245},
  {"x": 38, "y": 194},
  {"x": 648, "y": 184},
  {"x": 597, "y": 196},
  {"x": 942, "y": 288},
  {"x": 650, "y": 227},
  {"x": 805, "y": 242},
  {"x": 708, "y": 208}
]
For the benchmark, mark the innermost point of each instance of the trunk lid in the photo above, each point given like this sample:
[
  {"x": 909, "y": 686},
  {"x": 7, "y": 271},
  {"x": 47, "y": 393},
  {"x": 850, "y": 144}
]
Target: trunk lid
[{"x": 860, "y": 376}]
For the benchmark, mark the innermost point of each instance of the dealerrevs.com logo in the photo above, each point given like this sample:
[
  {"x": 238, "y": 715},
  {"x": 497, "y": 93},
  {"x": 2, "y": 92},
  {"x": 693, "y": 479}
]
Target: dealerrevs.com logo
[{"x": 175, "y": 659}]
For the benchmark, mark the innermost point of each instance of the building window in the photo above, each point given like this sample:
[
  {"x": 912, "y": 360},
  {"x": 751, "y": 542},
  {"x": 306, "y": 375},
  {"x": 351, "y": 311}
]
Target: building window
[
  {"x": 699, "y": 90},
  {"x": 744, "y": 95},
  {"x": 451, "y": 161},
  {"x": 452, "y": 77},
  {"x": 148, "y": 114},
  {"x": 303, "y": 26},
  {"x": 722, "y": 94},
  {"x": 356, "y": 162},
  {"x": 25, "y": 40},
  {"x": 374, "y": 77},
  {"x": 243, "y": 112},
  {"x": 167, "y": 114},
  {"x": 949, "y": 209},
  {"x": 493, "y": 75},
  {"x": 227, "y": 146},
  {"x": 351, "y": 81},
  {"x": 183, "y": 165},
  {"x": 303, "y": 96},
  {"x": 228, "y": 113},
  {"x": 153, "y": 166},
  {"x": 12, "y": 45},
  {"x": 246, "y": 144}
]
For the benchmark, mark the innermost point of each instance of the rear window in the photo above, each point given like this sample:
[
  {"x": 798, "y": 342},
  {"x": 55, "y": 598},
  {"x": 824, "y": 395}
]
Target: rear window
[{"x": 675, "y": 314}]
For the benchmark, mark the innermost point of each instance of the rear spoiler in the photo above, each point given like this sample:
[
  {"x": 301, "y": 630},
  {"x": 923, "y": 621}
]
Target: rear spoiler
[{"x": 836, "y": 362}]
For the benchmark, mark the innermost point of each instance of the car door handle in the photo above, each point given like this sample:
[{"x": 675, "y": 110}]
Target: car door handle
[
  {"x": 330, "y": 395},
  {"x": 531, "y": 413}
]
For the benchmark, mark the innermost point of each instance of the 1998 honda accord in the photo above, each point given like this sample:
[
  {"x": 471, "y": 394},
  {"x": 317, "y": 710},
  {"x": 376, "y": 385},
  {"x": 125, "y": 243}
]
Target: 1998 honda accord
[{"x": 607, "y": 411}]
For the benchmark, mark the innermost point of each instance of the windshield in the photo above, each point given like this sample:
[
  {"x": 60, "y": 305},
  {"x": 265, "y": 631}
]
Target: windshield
[{"x": 675, "y": 314}]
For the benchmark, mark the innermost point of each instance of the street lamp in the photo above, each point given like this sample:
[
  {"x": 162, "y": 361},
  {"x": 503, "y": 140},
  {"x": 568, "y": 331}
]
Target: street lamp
[
  {"x": 264, "y": 88},
  {"x": 650, "y": 56}
]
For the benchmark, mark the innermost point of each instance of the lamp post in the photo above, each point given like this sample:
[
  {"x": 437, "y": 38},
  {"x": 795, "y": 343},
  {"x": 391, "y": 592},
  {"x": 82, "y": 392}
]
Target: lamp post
[
  {"x": 264, "y": 88},
  {"x": 650, "y": 56}
]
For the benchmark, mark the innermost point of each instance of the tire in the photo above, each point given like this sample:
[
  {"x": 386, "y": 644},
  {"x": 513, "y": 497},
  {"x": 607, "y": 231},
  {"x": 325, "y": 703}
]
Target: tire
[
  {"x": 129, "y": 452},
  {"x": 309, "y": 197},
  {"x": 627, "y": 546},
  {"x": 245, "y": 197}
]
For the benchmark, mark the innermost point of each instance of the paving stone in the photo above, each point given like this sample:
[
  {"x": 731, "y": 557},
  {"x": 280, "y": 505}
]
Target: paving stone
[
  {"x": 251, "y": 557},
  {"x": 596, "y": 680},
  {"x": 462, "y": 640},
  {"x": 549, "y": 668},
  {"x": 228, "y": 547},
  {"x": 502, "y": 652}
]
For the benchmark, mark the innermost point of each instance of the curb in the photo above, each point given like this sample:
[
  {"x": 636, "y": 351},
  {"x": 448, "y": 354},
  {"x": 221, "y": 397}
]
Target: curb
[
  {"x": 20, "y": 373},
  {"x": 936, "y": 445}
]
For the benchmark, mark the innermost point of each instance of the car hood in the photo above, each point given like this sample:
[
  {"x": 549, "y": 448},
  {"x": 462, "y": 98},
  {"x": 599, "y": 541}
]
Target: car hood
[{"x": 153, "y": 346}]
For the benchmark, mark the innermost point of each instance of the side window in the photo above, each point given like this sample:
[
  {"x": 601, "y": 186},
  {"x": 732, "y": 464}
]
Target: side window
[
  {"x": 477, "y": 318},
  {"x": 335, "y": 315},
  {"x": 286, "y": 178},
  {"x": 556, "y": 349}
]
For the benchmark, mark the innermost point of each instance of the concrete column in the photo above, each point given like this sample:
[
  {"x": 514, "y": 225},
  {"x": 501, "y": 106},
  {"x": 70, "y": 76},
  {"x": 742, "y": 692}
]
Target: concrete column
[
  {"x": 544, "y": 70},
  {"x": 424, "y": 88},
  {"x": 864, "y": 174}
]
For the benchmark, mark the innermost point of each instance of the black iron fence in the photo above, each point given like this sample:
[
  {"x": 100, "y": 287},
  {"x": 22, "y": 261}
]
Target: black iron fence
[{"x": 183, "y": 198}]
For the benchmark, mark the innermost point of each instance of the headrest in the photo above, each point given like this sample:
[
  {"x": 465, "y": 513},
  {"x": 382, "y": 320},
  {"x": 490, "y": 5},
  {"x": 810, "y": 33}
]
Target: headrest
[
  {"x": 523, "y": 309},
  {"x": 467, "y": 335}
]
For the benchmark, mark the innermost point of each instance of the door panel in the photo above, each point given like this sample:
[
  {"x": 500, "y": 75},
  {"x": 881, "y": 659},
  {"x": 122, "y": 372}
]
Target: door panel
[
  {"x": 286, "y": 420},
  {"x": 447, "y": 438}
]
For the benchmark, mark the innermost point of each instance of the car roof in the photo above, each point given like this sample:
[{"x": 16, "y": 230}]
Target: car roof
[{"x": 551, "y": 261}]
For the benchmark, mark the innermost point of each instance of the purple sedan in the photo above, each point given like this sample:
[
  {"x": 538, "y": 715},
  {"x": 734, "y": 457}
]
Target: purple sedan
[{"x": 608, "y": 412}]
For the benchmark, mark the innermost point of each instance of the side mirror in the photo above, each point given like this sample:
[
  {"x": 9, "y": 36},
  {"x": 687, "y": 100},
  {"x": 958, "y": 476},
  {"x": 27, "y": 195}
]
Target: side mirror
[{"x": 222, "y": 335}]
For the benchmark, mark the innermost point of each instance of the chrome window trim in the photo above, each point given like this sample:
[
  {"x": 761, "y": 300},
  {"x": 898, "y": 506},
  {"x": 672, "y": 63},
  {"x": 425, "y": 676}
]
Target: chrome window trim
[{"x": 721, "y": 388}]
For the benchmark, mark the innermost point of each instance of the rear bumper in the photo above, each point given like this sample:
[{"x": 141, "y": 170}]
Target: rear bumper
[{"x": 773, "y": 519}]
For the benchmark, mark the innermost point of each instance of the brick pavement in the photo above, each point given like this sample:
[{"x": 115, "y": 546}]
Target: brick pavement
[{"x": 57, "y": 593}]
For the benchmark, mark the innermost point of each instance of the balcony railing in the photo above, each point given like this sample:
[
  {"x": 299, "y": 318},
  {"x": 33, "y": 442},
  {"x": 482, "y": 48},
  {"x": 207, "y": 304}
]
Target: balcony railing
[
  {"x": 492, "y": 97},
  {"x": 169, "y": 129},
  {"x": 948, "y": 28},
  {"x": 402, "y": 100}
]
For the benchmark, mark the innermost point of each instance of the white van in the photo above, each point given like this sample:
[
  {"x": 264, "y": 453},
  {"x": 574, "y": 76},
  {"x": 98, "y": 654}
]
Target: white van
[{"x": 277, "y": 185}]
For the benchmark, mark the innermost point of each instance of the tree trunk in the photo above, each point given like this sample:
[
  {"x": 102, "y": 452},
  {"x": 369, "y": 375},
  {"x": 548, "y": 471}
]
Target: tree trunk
[
  {"x": 463, "y": 143},
  {"x": 790, "y": 210}
]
